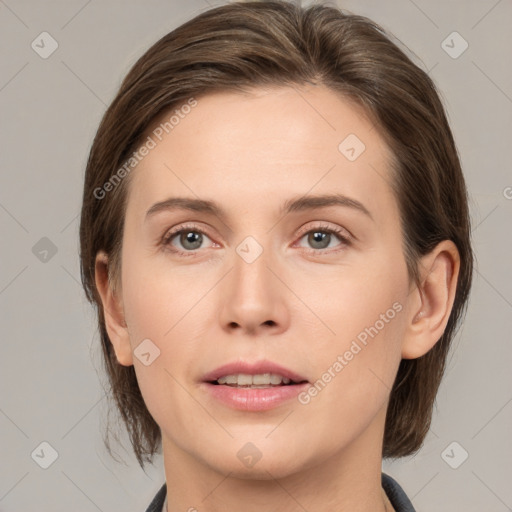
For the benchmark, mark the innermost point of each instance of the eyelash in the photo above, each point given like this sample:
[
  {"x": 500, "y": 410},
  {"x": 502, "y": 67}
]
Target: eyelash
[{"x": 191, "y": 228}]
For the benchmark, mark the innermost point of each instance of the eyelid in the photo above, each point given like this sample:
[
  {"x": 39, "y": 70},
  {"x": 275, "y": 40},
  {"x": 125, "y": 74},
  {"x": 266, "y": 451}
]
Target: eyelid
[
  {"x": 171, "y": 233},
  {"x": 338, "y": 230},
  {"x": 345, "y": 236}
]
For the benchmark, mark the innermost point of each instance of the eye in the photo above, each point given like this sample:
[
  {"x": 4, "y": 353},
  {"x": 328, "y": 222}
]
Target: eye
[
  {"x": 189, "y": 238},
  {"x": 322, "y": 237},
  {"x": 185, "y": 240}
]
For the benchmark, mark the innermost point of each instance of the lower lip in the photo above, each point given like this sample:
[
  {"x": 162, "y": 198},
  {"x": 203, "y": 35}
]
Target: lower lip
[{"x": 259, "y": 399}]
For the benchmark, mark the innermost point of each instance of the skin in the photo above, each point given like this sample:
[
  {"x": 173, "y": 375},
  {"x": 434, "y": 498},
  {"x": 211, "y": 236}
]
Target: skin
[{"x": 298, "y": 304}]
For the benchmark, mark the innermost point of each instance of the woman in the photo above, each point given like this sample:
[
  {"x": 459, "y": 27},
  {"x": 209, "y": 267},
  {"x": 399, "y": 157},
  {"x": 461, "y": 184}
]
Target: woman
[{"x": 301, "y": 337}]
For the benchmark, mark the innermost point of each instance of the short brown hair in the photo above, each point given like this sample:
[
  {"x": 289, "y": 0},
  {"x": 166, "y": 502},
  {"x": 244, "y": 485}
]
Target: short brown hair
[{"x": 244, "y": 45}]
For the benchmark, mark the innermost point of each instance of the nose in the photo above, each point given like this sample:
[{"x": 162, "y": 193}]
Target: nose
[{"x": 253, "y": 297}]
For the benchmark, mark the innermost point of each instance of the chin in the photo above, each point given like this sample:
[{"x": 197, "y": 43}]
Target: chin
[
  {"x": 249, "y": 463},
  {"x": 260, "y": 471}
]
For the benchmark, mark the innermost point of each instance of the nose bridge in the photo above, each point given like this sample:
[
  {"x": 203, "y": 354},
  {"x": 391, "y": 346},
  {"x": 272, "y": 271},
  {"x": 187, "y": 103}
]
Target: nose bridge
[
  {"x": 251, "y": 277},
  {"x": 252, "y": 296}
]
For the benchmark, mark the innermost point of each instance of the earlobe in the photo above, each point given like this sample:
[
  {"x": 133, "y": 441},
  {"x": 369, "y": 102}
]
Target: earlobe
[
  {"x": 435, "y": 295},
  {"x": 115, "y": 323}
]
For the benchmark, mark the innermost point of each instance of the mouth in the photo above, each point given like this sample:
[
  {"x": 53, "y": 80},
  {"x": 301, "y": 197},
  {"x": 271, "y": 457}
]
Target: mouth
[
  {"x": 258, "y": 374},
  {"x": 256, "y": 381},
  {"x": 253, "y": 386}
]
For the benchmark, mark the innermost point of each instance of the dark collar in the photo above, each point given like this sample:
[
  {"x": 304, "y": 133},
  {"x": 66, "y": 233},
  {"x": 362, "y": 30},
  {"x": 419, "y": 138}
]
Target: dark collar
[{"x": 395, "y": 493}]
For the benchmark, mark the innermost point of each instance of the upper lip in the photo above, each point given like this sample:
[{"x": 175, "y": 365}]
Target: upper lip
[{"x": 252, "y": 368}]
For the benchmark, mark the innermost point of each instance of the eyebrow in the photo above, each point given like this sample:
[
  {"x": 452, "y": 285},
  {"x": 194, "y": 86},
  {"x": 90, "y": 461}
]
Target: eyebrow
[{"x": 298, "y": 204}]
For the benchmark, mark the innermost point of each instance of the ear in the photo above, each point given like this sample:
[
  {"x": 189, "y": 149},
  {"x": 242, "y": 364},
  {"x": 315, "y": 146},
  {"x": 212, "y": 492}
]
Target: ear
[
  {"x": 432, "y": 301},
  {"x": 113, "y": 312}
]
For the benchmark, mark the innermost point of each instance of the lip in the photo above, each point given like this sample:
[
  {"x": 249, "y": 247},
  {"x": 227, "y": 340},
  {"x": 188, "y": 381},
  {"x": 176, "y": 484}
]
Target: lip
[
  {"x": 252, "y": 369},
  {"x": 253, "y": 400},
  {"x": 260, "y": 399}
]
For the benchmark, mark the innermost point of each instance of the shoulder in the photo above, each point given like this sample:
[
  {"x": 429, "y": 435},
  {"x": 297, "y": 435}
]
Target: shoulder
[
  {"x": 157, "y": 503},
  {"x": 396, "y": 494}
]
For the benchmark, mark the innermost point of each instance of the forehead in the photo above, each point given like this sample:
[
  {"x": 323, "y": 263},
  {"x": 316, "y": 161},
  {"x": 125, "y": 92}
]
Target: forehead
[{"x": 260, "y": 145}]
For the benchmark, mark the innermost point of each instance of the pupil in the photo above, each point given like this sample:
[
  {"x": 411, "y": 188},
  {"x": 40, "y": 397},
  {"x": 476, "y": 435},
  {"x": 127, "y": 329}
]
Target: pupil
[
  {"x": 317, "y": 239},
  {"x": 191, "y": 238}
]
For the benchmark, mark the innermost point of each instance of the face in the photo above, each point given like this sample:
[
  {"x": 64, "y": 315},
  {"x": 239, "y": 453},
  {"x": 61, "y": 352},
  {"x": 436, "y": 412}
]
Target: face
[{"x": 267, "y": 279}]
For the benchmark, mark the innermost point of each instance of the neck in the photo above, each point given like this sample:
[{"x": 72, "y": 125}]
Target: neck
[{"x": 349, "y": 480}]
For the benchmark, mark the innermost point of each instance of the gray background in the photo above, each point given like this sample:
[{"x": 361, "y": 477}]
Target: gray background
[{"x": 50, "y": 367}]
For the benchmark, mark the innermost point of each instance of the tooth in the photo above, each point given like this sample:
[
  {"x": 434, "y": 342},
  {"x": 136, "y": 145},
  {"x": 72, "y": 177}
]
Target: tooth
[
  {"x": 227, "y": 379},
  {"x": 259, "y": 380},
  {"x": 244, "y": 379},
  {"x": 275, "y": 379},
  {"x": 262, "y": 378}
]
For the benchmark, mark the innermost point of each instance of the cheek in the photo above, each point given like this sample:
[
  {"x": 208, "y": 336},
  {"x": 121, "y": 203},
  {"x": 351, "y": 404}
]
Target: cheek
[
  {"x": 163, "y": 307},
  {"x": 156, "y": 298},
  {"x": 347, "y": 300},
  {"x": 358, "y": 343}
]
